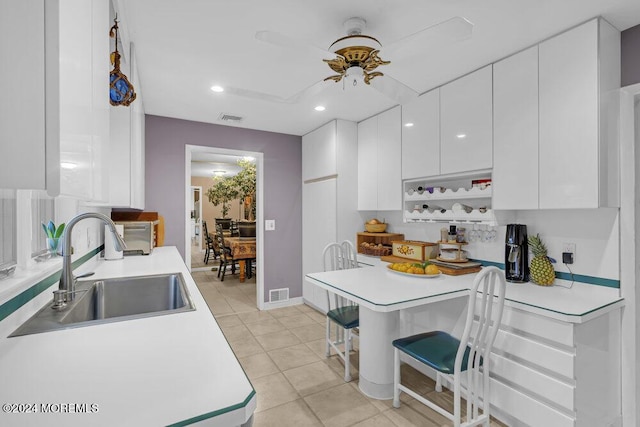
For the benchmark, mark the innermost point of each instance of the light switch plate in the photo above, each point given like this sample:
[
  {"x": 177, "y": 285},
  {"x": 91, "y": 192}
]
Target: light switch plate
[{"x": 269, "y": 224}]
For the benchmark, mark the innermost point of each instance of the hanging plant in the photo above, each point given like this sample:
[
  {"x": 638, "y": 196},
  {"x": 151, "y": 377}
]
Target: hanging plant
[{"x": 224, "y": 190}]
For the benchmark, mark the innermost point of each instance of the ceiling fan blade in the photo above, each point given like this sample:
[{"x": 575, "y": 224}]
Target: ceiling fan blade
[
  {"x": 451, "y": 30},
  {"x": 288, "y": 42},
  {"x": 393, "y": 89}
]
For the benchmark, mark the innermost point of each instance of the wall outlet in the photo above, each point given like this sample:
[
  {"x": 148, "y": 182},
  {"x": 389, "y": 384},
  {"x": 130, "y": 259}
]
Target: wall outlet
[
  {"x": 269, "y": 224},
  {"x": 569, "y": 248}
]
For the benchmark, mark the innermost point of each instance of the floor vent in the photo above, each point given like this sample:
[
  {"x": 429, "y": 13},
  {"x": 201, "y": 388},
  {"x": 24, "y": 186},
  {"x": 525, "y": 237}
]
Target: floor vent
[
  {"x": 229, "y": 118},
  {"x": 277, "y": 295}
]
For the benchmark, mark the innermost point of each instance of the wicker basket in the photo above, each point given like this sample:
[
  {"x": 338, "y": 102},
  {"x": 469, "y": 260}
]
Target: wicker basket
[
  {"x": 375, "y": 228},
  {"x": 377, "y": 251}
]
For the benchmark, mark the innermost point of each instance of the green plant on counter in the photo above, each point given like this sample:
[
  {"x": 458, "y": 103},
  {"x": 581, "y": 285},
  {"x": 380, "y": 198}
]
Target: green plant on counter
[{"x": 52, "y": 231}]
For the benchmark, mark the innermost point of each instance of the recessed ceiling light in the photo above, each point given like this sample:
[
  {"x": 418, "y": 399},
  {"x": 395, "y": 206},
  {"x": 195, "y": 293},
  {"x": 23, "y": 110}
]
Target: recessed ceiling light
[
  {"x": 461, "y": 135},
  {"x": 217, "y": 88},
  {"x": 68, "y": 165},
  {"x": 408, "y": 125},
  {"x": 219, "y": 173},
  {"x": 319, "y": 108}
]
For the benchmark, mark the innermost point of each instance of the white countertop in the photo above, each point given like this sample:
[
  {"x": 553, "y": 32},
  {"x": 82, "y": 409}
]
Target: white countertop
[
  {"x": 146, "y": 372},
  {"x": 381, "y": 290}
]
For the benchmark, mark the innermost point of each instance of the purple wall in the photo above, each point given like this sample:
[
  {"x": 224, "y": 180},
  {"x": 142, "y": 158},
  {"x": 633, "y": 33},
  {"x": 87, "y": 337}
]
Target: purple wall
[
  {"x": 630, "y": 51},
  {"x": 165, "y": 188}
]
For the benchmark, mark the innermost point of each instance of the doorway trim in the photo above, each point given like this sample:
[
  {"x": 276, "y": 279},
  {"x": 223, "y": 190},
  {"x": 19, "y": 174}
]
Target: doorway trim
[{"x": 189, "y": 149}]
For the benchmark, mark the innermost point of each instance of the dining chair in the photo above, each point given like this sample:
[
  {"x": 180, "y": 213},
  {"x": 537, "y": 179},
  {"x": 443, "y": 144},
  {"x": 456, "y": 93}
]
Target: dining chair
[
  {"x": 210, "y": 244},
  {"x": 458, "y": 361},
  {"x": 349, "y": 255},
  {"x": 226, "y": 258},
  {"x": 341, "y": 311}
]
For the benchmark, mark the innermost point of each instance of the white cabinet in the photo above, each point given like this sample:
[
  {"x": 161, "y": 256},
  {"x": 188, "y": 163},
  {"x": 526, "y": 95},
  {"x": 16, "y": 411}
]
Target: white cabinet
[
  {"x": 329, "y": 205},
  {"x": 379, "y": 162},
  {"x": 319, "y": 145},
  {"x": 126, "y": 169},
  {"x": 58, "y": 114},
  {"x": 515, "y": 127},
  {"x": 466, "y": 135},
  {"x": 579, "y": 75},
  {"x": 421, "y": 136},
  {"x": 84, "y": 101},
  {"x": 22, "y": 122}
]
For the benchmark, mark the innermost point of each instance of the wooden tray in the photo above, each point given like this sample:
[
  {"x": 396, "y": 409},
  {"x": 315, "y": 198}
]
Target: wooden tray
[{"x": 456, "y": 269}]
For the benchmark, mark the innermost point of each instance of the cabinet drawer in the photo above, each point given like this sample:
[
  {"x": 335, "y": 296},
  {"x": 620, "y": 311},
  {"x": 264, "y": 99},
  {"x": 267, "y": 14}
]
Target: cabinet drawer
[
  {"x": 525, "y": 408},
  {"x": 545, "y": 327},
  {"x": 538, "y": 353},
  {"x": 529, "y": 380}
]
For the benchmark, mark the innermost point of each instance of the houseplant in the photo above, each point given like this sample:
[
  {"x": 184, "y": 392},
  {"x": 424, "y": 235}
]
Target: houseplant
[
  {"x": 223, "y": 191},
  {"x": 53, "y": 234},
  {"x": 245, "y": 182}
]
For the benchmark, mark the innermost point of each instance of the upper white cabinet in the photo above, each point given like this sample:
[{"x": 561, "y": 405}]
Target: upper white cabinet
[
  {"x": 421, "y": 136},
  {"x": 466, "y": 123},
  {"x": 379, "y": 162},
  {"x": 55, "y": 122},
  {"x": 25, "y": 139},
  {"x": 319, "y": 151},
  {"x": 515, "y": 127},
  {"x": 84, "y": 98},
  {"x": 578, "y": 150},
  {"x": 126, "y": 170}
]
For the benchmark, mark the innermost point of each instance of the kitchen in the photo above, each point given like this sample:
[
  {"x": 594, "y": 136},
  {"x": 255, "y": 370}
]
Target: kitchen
[{"x": 596, "y": 232}]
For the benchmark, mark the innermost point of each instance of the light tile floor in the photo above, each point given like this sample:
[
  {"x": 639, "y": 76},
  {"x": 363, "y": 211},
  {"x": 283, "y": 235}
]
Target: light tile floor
[{"x": 282, "y": 352}]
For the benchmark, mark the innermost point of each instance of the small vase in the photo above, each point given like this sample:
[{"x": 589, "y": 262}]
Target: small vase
[{"x": 52, "y": 246}]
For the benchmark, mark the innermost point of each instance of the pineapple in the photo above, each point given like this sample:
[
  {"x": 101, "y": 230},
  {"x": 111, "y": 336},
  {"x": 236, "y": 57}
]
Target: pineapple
[{"x": 541, "y": 271}]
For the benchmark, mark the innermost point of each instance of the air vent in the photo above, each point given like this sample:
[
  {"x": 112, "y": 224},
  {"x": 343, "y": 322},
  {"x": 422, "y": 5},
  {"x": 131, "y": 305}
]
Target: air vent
[
  {"x": 230, "y": 118},
  {"x": 277, "y": 295}
]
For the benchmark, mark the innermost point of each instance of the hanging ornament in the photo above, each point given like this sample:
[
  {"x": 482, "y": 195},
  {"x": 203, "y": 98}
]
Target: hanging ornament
[{"x": 121, "y": 91}]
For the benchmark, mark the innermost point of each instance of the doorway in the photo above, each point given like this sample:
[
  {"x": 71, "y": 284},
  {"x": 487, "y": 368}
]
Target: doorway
[{"x": 204, "y": 154}]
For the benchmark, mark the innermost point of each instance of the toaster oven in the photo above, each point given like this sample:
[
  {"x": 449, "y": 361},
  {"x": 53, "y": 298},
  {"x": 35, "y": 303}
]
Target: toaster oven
[{"x": 139, "y": 236}]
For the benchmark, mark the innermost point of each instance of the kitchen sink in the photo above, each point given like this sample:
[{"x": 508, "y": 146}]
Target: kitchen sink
[{"x": 114, "y": 300}]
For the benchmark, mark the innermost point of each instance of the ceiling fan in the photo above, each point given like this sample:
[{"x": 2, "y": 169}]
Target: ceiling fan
[{"x": 357, "y": 59}]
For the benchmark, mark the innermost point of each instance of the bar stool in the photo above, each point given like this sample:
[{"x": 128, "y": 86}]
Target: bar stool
[{"x": 456, "y": 361}]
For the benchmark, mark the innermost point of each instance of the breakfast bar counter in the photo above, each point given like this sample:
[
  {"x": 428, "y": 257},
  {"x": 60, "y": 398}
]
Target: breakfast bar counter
[{"x": 552, "y": 332}]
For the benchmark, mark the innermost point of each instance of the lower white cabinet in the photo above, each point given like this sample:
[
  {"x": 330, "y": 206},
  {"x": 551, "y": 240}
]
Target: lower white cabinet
[{"x": 544, "y": 371}]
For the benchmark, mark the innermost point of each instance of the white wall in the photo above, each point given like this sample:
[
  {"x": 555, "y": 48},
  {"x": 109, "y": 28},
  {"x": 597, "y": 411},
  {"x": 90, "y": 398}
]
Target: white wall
[{"x": 594, "y": 231}]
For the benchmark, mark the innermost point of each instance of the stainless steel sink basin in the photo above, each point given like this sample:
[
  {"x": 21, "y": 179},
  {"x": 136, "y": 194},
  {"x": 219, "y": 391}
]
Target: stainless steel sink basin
[{"x": 114, "y": 300}]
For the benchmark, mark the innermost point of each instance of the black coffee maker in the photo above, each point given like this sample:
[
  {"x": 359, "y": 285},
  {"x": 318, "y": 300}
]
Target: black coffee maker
[{"x": 516, "y": 254}]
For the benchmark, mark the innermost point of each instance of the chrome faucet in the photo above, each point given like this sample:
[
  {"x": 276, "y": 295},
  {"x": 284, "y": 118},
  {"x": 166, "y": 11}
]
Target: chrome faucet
[{"x": 67, "y": 280}]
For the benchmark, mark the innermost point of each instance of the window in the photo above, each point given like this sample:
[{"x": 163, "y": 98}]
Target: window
[
  {"x": 7, "y": 229},
  {"x": 42, "y": 210}
]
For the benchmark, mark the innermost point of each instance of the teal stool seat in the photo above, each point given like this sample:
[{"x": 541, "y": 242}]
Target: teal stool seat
[
  {"x": 347, "y": 316},
  {"x": 436, "y": 349}
]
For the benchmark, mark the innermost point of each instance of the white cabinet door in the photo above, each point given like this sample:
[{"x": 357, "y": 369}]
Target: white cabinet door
[
  {"x": 319, "y": 218},
  {"x": 319, "y": 152},
  {"x": 515, "y": 126},
  {"x": 421, "y": 140},
  {"x": 389, "y": 162},
  {"x": 569, "y": 119},
  {"x": 466, "y": 123},
  {"x": 22, "y": 121},
  {"x": 368, "y": 164}
]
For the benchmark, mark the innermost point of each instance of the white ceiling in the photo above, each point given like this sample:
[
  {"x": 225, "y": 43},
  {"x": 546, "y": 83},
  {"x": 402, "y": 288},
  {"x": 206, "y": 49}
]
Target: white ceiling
[
  {"x": 185, "y": 46},
  {"x": 205, "y": 163}
]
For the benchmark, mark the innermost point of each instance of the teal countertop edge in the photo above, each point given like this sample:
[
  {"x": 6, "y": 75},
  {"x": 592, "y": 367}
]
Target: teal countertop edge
[
  {"x": 214, "y": 413},
  {"x": 591, "y": 280},
  {"x": 27, "y": 295}
]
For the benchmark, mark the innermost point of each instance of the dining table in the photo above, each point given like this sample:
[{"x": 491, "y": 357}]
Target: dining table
[{"x": 243, "y": 250}]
